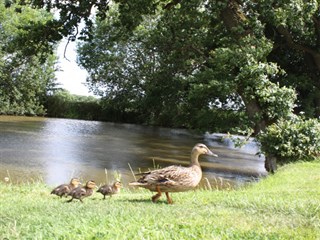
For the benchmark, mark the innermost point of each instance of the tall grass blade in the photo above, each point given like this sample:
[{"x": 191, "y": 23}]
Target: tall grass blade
[{"x": 134, "y": 176}]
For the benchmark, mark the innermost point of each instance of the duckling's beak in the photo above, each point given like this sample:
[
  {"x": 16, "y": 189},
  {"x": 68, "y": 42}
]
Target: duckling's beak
[{"x": 211, "y": 154}]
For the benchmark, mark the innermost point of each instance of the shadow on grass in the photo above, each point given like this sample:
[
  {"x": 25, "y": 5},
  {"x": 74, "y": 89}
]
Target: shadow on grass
[{"x": 143, "y": 201}]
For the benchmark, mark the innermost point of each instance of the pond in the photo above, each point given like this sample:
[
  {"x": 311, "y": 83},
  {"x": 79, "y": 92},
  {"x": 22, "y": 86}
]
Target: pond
[{"x": 55, "y": 150}]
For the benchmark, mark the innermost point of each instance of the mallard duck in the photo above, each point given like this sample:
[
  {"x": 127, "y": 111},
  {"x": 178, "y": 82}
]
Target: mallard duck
[
  {"x": 64, "y": 189},
  {"x": 174, "y": 178},
  {"x": 110, "y": 189},
  {"x": 82, "y": 192}
]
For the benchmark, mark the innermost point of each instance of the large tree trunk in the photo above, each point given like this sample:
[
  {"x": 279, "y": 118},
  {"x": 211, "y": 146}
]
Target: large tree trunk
[
  {"x": 233, "y": 17},
  {"x": 270, "y": 164},
  {"x": 253, "y": 110}
]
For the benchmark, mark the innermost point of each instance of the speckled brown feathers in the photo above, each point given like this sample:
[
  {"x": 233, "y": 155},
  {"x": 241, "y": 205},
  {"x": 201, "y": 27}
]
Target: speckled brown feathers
[
  {"x": 64, "y": 189},
  {"x": 174, "y": 178},
  {"x": 109, "y": 190},
  {"x": 171, "y": 179},
  {"x": 82, "y": 192}
]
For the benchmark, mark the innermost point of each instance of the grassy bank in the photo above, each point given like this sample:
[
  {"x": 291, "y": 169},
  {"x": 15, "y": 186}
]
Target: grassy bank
[{"x": 283, "y": 206}]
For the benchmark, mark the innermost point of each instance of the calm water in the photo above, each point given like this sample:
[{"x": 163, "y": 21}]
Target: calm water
[{"x": 57, "y": 149}]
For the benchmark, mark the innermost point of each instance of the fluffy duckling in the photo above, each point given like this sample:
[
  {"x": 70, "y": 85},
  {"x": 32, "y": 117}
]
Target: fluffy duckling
[
  {"x": 82, "y": 192},
  {"x": 110, "y": 189},
  {"x": 174, "y": 178},
  {"x": 64, "y": 189}
]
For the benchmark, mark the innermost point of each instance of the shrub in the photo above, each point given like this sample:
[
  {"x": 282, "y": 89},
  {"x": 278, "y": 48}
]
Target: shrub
[{"x": 291, "y": 139}]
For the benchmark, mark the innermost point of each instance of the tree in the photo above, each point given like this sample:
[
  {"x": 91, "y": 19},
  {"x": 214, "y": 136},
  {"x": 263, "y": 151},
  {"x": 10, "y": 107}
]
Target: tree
[
  {"x": 248, "y": 58},
  {"x": 209, "y": 56},
  {"x": 148, "y": 70},
  {"x": 298, "y": 42},
  {"x": 43, "y": 36},
  {"x": 295, "y": 30},
  {"x": 23, "y": 79},
  {"x": 62, "y": 104}
]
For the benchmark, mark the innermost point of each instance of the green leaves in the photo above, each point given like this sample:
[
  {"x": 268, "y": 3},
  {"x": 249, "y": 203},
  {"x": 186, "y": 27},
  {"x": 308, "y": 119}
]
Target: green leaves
[
  {"x": 292, "y": 139},
  {"x": 26, "y": 68},
  {"x": 28, "y": 32},
  {"x": 208, "y": 65}
]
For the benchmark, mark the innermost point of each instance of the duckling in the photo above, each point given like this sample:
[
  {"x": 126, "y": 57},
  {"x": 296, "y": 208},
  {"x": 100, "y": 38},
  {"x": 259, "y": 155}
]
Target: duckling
[
  {"x": 110, "y": 189},
  {"x": 174, "y": 178},
  {"x": 64, "y": 189},
  {"x": 82, "y": 192}
]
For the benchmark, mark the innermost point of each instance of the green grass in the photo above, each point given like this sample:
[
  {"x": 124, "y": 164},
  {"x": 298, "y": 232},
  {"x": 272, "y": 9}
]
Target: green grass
[{"x": 283, "y": 206}]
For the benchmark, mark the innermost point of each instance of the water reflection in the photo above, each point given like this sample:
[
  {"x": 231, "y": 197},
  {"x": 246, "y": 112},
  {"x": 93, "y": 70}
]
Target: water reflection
[{"x": 58, "y": 149}]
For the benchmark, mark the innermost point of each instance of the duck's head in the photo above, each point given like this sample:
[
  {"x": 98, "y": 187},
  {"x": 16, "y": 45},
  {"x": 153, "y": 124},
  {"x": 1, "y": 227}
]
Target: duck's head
[
  {"x": 75, "y": 182},
  {"x": 91, "y": 184},
  {"x": 117, "y": 185},
  {"x": 202, "y": 149}
]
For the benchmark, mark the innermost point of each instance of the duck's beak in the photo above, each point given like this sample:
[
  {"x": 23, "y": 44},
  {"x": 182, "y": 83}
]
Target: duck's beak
[{"x": 211, "y": 154}]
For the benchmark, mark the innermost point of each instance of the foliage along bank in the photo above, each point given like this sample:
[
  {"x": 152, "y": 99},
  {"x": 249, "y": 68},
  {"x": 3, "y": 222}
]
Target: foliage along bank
[
  {"x": 217, "y": 65},
  {"x": 198, "y": 63}
]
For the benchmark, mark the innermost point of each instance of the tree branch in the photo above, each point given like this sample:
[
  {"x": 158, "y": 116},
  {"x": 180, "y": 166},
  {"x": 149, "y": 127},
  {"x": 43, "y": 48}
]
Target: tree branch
[
  {"x": 70, "y": 38},
  {"x": 316, "y": 22},
  {"x": 171, "y": 4},
  {"x": 291, "y": 43}
]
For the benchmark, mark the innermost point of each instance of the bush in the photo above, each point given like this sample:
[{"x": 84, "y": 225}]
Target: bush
[
  {"x": 62, "y": 104},
  {"x": 291, "y": 139}
]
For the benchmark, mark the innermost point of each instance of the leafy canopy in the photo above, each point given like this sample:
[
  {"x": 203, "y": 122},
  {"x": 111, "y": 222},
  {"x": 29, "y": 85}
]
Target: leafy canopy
[
  {"x": 213, "y": 65},
  {"x": 217, "y": 65},
  {"x": 24, "y": 78}
]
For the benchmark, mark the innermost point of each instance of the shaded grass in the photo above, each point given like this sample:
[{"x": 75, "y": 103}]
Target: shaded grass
[{"x": 283, "y": 206}]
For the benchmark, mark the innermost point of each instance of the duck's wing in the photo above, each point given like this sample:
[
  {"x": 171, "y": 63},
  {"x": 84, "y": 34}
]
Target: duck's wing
[
  {"x": 63, "y": 188},
  {"x": 166, "y": 176},
  {"x": 105, "y": 189},
  {"x": 82, "y": 192},
  {"x": 75, "y": 191}
]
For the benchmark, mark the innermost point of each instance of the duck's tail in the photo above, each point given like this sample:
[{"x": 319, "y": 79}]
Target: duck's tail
[
  {"x": 142, "y": 173},
  {"x": 134, "y": 184},
  {"x": 139, "y": 184}
]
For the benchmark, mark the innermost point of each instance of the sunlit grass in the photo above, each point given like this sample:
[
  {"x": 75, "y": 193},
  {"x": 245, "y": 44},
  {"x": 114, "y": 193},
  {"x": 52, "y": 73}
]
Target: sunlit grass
[{"x": 283, "y": 206}]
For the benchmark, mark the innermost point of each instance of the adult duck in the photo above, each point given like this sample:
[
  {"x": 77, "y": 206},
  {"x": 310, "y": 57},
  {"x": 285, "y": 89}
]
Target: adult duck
[
  {"x": 174, "y": 178},
  {"x": 65, "y": 189}
]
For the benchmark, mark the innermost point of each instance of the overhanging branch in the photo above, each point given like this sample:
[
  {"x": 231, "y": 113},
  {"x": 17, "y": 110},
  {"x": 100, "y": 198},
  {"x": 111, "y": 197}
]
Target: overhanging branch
[
  {"x": 291, "y": 43},
  {"x": 70, "y": 38}
]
